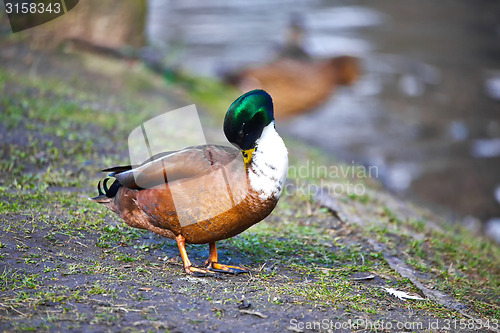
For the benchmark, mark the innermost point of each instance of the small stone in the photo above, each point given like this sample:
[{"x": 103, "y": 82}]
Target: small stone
[{"x": 244, "y": 304}]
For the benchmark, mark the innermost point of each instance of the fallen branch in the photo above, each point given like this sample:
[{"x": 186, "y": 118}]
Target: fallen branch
[{"x": 251, "y": 312}]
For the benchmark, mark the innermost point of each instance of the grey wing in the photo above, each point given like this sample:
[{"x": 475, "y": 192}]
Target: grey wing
[{"x": 162, "y": 168}]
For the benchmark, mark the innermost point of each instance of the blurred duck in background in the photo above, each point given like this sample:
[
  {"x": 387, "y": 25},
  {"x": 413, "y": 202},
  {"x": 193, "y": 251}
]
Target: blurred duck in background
[{"x": 297, "y": 82}]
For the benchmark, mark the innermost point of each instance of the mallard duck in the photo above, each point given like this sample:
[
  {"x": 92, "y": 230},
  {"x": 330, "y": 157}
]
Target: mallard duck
[
  {"x": 207, "y": 193},
  {"x": 297, "y": 82},
  {"x": 298, "y": 85}
]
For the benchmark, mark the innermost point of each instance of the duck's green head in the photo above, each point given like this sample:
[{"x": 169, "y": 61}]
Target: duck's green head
[{"x": 246, "y": 118}]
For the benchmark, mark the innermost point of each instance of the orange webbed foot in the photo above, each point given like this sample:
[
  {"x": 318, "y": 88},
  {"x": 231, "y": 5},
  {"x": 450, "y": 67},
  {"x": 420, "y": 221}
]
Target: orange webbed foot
[
  {"x": 198, "y": 272},
  {"x": 193, "y": 271},
  {"x": 220, "y": 268},
  {"x": 214, "y": 266}
]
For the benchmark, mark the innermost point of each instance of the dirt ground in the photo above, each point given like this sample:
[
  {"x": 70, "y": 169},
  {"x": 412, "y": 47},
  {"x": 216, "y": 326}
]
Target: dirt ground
[{"x": 318, "y": 263}]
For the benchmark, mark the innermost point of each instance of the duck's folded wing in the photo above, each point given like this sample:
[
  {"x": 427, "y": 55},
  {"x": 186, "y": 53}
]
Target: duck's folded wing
[{"x": 166, "y": 167}]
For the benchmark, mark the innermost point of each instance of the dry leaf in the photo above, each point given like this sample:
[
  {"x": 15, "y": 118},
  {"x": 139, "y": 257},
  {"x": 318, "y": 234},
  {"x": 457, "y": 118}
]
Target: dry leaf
[{"x": 403, "y": 294}]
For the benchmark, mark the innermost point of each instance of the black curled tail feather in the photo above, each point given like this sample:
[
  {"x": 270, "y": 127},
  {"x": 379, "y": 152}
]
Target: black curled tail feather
[
  {"x": 105, "y": 192},
  {"x": 111, "y": 191}
]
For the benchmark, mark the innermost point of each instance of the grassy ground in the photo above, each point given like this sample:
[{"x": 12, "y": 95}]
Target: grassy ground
[{"x": 319, "y": 262}]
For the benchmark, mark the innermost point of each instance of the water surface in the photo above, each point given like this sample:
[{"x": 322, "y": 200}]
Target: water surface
[{"x": 426, "y": 111}]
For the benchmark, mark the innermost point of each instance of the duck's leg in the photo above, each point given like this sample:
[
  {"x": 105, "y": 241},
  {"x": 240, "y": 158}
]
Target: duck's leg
[
  {"x": 181, "y": 242},
  {"x": 213, "y": 265}
]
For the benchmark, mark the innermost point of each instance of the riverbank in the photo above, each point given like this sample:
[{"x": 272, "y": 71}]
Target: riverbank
[{"x": 338, "y": 258}]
